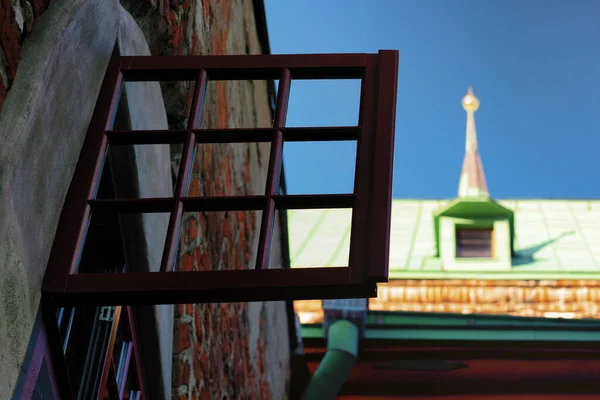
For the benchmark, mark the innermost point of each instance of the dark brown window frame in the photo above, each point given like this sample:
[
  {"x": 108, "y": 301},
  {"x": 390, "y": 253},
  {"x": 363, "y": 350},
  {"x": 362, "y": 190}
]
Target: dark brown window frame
[
  {"x": 108, "y": 384},
  {"x": 41, "y": 356},
  {"x": 371, "y": 200}
]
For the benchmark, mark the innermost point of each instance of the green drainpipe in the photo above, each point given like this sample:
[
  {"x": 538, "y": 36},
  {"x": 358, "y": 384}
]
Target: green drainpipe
[{"x": 342, "y": 350}]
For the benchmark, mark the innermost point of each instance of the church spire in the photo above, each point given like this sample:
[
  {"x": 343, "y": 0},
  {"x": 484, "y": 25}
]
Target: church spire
[{"x": 472, "y": 178}]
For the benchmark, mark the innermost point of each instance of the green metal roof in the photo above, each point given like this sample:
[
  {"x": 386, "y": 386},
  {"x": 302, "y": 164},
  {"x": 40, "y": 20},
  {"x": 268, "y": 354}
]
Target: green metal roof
[{"x": 554, "y": 239}]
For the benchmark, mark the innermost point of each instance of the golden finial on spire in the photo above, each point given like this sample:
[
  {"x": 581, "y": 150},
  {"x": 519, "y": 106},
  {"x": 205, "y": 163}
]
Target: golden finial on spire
[{"x": 470, "y": 102}]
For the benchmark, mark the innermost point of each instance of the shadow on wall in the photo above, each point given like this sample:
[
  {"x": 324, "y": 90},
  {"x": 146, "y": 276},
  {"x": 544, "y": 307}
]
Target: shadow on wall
[{"x": 526, "y": 256}]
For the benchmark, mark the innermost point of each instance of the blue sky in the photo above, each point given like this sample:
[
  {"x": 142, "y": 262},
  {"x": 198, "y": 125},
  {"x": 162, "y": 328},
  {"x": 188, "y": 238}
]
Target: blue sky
[{"x": 534, "y": 64}]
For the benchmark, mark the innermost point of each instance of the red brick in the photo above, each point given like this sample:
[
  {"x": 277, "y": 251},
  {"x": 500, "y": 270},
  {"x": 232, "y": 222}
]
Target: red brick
[
  {"x": 180, "y": 310},
  {"x": 192, "y": 229},
  {"x": 205, "y": 395},
  {"x": 187, "y": 262},
  {"x": 204, "y": 264},
  {"x": 176, "y": 370},
  {"x": 202, "y": 222},
  {"x": 199, "y": 367},
  {"x": 194, "y": 190},
  {"x": 198, "y": 322},
  {"x": 229, "y": 188},
  {"x": 203, "y": 359},
  {"x": 183, "y": 341},
  {"x": 182, "y": 374}
]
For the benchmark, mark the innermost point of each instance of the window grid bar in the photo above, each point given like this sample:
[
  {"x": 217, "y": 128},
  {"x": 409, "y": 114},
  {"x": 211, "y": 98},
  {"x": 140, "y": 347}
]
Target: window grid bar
[
  {"x": 382, "y": 175},
  {"x": 314, "y": 201},
  {"x": 107, "y": 363},
  {"x": 123, "y": 379},
  {"x": 243, "y": 67},
  {"x": 132, "y": 206},
  {"x": 273, "y": 173},
  {"x": 173, "y": 232},
  {"x": 225, "y": 203},
  {"x": 324, "y": 134},
  {"x": 359, "y": 238},
  {"x": 184, "y": 175},
  {"x": 137, "y": 360},
  {"x": 221, "y": 203},
  {"x": 59, "y": 361},
  {"x": 234, "y": 135},
  {"x": 122, "y": 138},
  {"x": 182, "y": 287}
]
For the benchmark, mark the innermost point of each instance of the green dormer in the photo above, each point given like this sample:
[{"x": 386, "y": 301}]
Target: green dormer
[{"x": 474, "y": 232}]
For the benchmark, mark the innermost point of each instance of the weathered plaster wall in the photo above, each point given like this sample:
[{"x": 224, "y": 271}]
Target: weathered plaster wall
[
  {"x": 232, "y": 350},
  {"x": 41, "y": 140}
]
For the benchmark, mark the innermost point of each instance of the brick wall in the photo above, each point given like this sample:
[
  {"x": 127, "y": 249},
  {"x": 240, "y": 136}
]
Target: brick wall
[
  {"x": 17, "y": 19},
  {"x": 238, "y": 350}
]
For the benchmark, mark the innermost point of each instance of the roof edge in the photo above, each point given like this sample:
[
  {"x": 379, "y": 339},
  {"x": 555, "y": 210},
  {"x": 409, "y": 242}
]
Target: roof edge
[
  {"x": 499, "y": 199},
  {"x": 262, "y": 30}
]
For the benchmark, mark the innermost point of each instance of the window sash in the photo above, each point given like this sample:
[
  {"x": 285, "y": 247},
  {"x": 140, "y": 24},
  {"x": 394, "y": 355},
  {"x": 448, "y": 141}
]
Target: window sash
[{"x": 370, "y": 201}]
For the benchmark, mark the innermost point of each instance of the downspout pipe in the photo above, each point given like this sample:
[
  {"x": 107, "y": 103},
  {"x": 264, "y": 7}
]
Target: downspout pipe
[{"x": 334, "y": 369}]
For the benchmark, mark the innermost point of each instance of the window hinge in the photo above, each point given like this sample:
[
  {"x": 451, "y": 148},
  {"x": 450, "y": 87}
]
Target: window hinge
[{"x": 107, "y": 313}]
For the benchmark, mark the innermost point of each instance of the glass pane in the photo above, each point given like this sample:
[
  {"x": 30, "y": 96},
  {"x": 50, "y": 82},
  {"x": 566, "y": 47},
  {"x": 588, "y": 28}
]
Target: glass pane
[
  {"x": 218, "y": 240},
  {"x": 140, "y": 171},
  {"x": 132, "y": 241},
  {"x": 319, "y": 167},
  {"x": 142, "y": 105},
  {"x": 229, "y": 169},
  {"x": 253, "y": 100},
  {"x": 319, "y": 238},
  {"x": 325, "y": 102}
]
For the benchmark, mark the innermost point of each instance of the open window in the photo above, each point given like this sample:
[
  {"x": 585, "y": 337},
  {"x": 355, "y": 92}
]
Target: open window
[
  {"x": 93, "y": 280},
  {"x": 370, "y": 200}
]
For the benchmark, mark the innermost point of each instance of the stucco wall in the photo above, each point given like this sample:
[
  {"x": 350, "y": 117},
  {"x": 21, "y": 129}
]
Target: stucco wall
[{"x": 41, "y": 140}]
